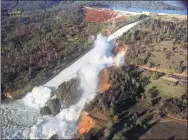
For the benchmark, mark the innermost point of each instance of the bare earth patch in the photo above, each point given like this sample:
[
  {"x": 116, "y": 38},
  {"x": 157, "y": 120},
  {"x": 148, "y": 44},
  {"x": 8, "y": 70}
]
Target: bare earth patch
[{"x": 166, "y": 130}]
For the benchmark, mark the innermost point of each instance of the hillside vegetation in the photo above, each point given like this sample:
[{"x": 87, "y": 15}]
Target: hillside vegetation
[
  {"x": 36, "y": 47},
  {"x": 46, "y": 5},
  {"x": 127, "y": 111},
  {"x": 160, "y": 43},
  {"x": 139, "y": 103}
]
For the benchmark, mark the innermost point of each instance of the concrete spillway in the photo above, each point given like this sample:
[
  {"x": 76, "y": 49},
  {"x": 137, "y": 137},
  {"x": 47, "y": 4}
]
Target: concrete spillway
[
  {"x": 21, "y": 119},
  {"x": 71, "y": 71}
]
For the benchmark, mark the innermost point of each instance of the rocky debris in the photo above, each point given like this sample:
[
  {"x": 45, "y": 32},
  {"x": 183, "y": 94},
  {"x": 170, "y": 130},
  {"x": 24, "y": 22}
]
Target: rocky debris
[
  {"x": 54, "y": 106},
  {"x": 54, "y": 137},
  {"x": 69, "y": 93},
  {"x": 45, "y": 111}
]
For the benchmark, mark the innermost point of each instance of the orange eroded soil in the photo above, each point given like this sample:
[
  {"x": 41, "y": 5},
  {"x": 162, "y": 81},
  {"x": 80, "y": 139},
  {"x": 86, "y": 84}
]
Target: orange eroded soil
[
  {"x": 102, "y": 15},
  {"x": 104, "y": 80},
  {"x": 85, "y": 123},
  {"x": 162, "y": 70}
]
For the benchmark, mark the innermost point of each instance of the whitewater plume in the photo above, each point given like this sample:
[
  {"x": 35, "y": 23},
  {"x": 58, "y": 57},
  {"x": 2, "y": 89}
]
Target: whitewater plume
[
  {"x": 22, "y": 120},
  {"x": 64, "y": 123},
  {"x": 119, "y": 59},
  {"x": 37, "y": 97}
]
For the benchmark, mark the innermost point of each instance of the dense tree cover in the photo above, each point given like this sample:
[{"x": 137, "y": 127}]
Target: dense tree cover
[
  {"x": 125, "y": 86},
  {"x": 152, "y": 97},
  {"x": 175, "y": 105},
  {"x": 36, "y": 47},
  {"x": 126, "y": 92},
  {"x": 46, "y": 5},
  {"x": 126, "y": 89}
]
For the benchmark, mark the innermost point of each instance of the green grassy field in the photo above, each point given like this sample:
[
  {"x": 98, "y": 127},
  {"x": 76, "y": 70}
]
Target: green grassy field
[{"x": 165, "y": 89}]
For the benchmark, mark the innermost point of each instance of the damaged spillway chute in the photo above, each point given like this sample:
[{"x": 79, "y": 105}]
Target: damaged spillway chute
[{"x": 87, "y": 68}]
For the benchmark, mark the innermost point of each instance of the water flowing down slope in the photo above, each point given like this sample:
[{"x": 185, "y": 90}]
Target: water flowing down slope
[{"x": 64, "y": 124}]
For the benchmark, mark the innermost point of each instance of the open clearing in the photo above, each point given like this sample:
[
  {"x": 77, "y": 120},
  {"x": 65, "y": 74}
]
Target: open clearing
[
  {"x": 166, "y": 130},
  {"x": 167, "y": 90}
]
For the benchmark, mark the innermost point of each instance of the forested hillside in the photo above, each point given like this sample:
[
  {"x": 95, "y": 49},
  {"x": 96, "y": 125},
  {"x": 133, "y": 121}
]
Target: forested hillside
[
  {"x": 37, "y": 46},
  {"x": 53, "y": 4}
]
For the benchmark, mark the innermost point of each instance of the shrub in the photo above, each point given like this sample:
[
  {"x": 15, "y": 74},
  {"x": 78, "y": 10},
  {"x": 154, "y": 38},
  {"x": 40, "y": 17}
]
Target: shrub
[
  {"x": 173, "y": 83},
  {"x": 152, "y": 89},
  {"x": 124, "y": 130},
  {"x": 112, "y": 112},
  {"x": 150, "y": 64},
  {"x": 155, "y": 76},
  {"x": 116, "y": 137},
  {"x": 107, "y": 133},
  {"x": 138, "y": 122},
  {"x": 167, "y": 54},
  {"x": 155, "y": 100},
  {"x": 155, "y": 93},
  {"x": 104, "y": 109},
  {"x": 173, "y": 109},
  {"x": 110, "y": 124},
  {"x": 142, "y": 16},
  {"x": 139, "y": 61},
  {"x": 116, "y": 118},
  {"x": 178, "y": 69}
]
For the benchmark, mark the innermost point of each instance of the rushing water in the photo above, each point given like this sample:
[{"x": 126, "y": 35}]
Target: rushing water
[
  {"x": 21, "y": 119},
  {"x": 17, "y": 119}
]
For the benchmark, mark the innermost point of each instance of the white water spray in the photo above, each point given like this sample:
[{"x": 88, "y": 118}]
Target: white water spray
[
  {"x": 38, "y": 97},
  {"x": 64, "y": 124},
  {"x": 22, "y": 120}
]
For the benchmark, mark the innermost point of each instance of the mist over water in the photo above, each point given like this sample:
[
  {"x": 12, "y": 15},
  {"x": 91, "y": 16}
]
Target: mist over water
[
  {"x": 63, "y": 124},
  {"x": 38, "y": 97}
]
